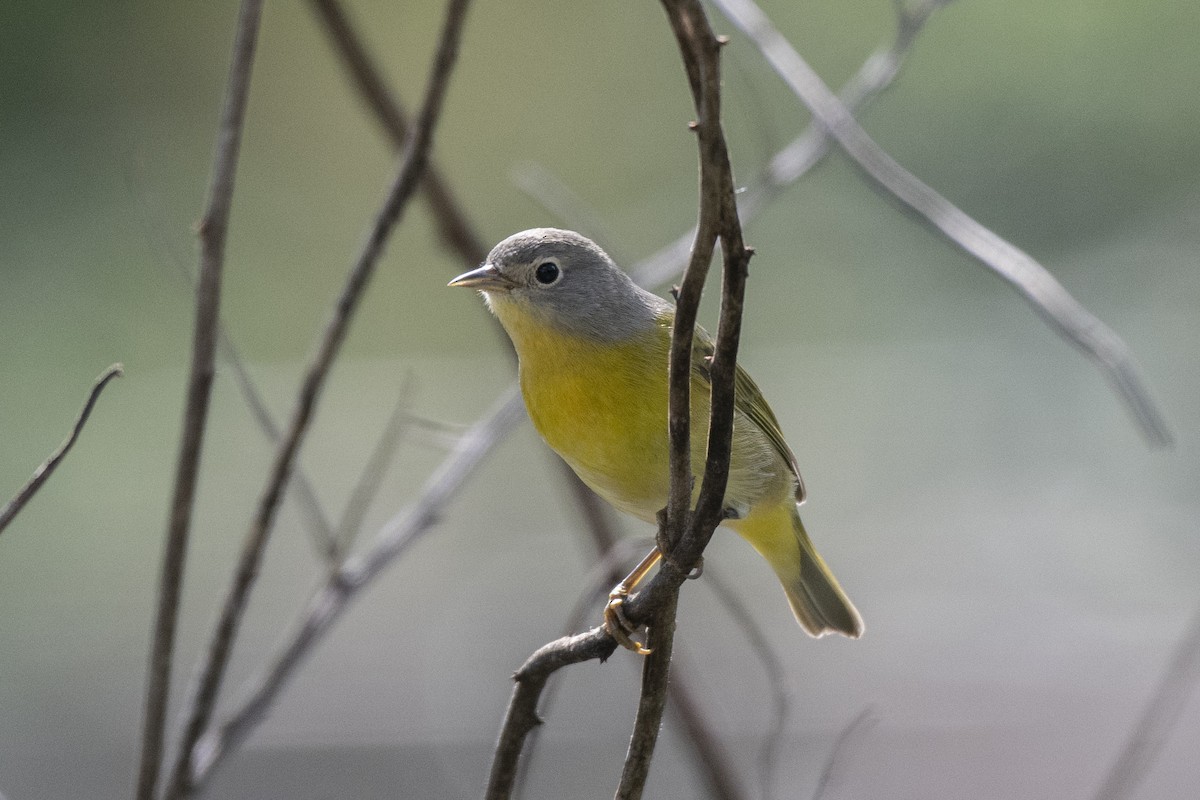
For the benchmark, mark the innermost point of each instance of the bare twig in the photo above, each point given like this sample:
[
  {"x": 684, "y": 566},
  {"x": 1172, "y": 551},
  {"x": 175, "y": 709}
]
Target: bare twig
[
  {"x": 709, "y": 758},
  {"x": 455, "y": 230},
  {"x": 458, "y": 233},
  {"x": 806, "y": 150},
  {"x": 318, "y": 525},
  {"x": 43, "y": 472},
  {"x": 652, "y": 701},
  {"x": 1044, "y": 293},
  {"x": 685, "y": 533},
  {"x": 342, "y": 586},
  {"x": 413, "y": 162},
  {"x": 371, "y": 477},
  {"x": 521, "y": 716},
  {"x": 320, "y": 528},
  {"x": 213, "y": 229},
  {"x": 1159, "y": 717}
]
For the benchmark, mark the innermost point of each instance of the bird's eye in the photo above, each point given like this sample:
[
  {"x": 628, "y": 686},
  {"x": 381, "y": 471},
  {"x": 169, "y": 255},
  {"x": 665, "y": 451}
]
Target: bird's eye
[{"x": 547, "y": 273}]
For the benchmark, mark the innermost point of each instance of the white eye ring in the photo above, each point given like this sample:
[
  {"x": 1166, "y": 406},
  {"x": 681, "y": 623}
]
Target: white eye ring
[{"x": 547, "y": 273}]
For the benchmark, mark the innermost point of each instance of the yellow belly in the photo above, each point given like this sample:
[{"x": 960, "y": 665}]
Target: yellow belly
[{"x": 604, "y": 410}]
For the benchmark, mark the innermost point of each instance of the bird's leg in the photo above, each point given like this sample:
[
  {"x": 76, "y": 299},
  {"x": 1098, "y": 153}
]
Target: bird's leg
[{"x": 615, "y": 622}]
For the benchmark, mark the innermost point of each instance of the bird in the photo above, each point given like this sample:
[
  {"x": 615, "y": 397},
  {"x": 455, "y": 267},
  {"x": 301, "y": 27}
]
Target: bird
[{"x": 592, "y": 349}]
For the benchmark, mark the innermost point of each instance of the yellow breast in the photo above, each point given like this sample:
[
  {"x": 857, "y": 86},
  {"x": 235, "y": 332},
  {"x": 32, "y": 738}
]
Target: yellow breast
[{"x": 602, "y": 406}]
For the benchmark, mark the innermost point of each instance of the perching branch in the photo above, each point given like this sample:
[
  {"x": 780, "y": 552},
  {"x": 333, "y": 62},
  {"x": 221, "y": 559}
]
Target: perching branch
[
  {"x": 43, "y": 472},
  {"x": 521, "y": 716},
  {"x": 684, "y": 534},
  {"x": 652, "y": 702},
  {"x": 459, "y": 234},
  {"x": 1044, "y": 293},
  {"x": 213, "y": 228},
  {"x": 412, "y": 165}
]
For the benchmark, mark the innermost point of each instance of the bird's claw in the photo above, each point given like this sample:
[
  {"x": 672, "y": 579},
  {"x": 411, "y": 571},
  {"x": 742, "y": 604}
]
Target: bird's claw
[{"x": 617, "y": 625}]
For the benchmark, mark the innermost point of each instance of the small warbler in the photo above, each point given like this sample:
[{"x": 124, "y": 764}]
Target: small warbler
[{"x": 593, "y": 350}]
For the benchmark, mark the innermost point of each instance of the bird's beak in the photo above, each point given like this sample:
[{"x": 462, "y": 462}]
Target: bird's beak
[{"x": 486, "y": 277}]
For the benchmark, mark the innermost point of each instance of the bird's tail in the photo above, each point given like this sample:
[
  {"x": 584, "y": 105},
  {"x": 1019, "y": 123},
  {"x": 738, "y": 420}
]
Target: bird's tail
[{"x": 817, "y": 600}]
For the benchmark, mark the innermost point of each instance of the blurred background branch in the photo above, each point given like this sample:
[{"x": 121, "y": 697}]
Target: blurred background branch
[
  {"x": 214, "y": 227},
  {"x": 328, "y": 603},
  {"x": 1034, "y": 282},
  {"x": 412, "y": 165},
  {"x": 47, "y": 467}
]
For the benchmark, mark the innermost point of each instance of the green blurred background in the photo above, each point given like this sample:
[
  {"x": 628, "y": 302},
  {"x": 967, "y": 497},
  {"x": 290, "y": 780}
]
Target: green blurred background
[{"x": 1024, "y": 562}]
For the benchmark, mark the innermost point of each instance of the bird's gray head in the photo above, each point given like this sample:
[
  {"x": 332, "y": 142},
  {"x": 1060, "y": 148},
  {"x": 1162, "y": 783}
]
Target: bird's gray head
[{"x": 564, "y": 280}]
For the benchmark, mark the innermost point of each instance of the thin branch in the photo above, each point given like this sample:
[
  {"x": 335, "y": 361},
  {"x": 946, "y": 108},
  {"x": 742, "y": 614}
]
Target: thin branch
[
  {"x": 458, "y": 233},
  {"x": 709, "y": 758},
  {"x": 319, "y": 528},
  {"x": 402, "y": 189},
  {"x": 685, "y": 533},
  {"x": 1044, "y": 293},
  {"x": 1158, "y": 719},
  {"x": 371, "y": 476},
  {"x": 342, "y": 586},
  {"x": 530, "y": 680},
  {"x": 43, "y": 472},
  {"x": 652, "y": 701},
  {"x": 800, "y": 155},
  {"x": 454, "y": 229},
  {"x": 213, "y": 229},
  {"x": 608, "y": 569}
]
